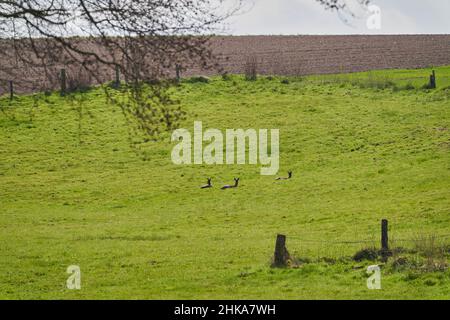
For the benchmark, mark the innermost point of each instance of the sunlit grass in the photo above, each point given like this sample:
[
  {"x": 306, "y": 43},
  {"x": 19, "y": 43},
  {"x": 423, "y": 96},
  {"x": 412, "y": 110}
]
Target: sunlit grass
[{"x": 74, "y": 192}]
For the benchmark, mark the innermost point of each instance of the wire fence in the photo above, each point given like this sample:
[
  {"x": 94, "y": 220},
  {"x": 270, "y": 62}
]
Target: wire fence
[
  {"x": 304, "y": 246},
  {"x": 437, "y": 237}
]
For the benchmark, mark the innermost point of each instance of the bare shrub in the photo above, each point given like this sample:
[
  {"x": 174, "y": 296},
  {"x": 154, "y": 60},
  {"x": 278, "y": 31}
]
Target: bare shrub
[
  {"x": 433, "y": 251},
  {"x": 370, "y": 254},
  {"x": 78, "y": 80},
  {"x": 198, "y": 79},
  {"x": 226, "y": 76},
  {"x": 374, "y": 81}
]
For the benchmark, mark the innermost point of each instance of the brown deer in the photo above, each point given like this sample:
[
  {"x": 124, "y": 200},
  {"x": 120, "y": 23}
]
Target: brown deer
[
  {"x": 209, "y": 185},
  {"x": 283, "y": 178},
  {"x": 236, "y": 182}
]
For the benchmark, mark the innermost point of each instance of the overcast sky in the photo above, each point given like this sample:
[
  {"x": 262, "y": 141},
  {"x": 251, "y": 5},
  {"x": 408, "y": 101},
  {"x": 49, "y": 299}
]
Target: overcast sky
[{"x": 309, "y": 17}]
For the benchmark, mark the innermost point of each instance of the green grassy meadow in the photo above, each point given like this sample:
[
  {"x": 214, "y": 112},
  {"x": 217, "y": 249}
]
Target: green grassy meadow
[{"x": 73, "y": 192}]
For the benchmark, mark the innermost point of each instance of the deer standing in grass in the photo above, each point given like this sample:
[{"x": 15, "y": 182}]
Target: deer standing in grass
[{"x": 236, "y": 182}]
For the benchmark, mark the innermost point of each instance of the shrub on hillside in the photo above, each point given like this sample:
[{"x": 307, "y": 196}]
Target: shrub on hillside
[
  {"x": 78, "y": 80},
  {"x": 370, "y": 254},
  {"x": 198, "y": 79},
  {"x": 226, "y": 76}
]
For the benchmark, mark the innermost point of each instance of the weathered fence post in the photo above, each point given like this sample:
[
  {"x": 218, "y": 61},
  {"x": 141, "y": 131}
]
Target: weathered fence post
[
  {"x": 117, "y": 80},
  {"x": 178, "y": 72},
  {"x": 385, "y": 253},
  {"x": 11, "y": 90},
  {"x": 384, "y": 235},
  {"x": 63, "y": 82},
  {"x": 433, "y": 80},
  {"x": 281, "y": 255}
]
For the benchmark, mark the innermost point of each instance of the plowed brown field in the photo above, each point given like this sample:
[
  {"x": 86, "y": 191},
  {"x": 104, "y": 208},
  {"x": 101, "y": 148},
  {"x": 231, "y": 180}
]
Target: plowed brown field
[
  {"x": 302, "y": 55},
  {"x": 296, "y": 55}
]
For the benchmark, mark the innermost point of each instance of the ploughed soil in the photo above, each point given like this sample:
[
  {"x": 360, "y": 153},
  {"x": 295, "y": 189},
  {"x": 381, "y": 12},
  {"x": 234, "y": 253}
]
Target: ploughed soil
[{"x": 303, "y": 55}]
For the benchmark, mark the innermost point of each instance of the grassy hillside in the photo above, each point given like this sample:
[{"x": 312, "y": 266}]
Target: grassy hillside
[{"x": 362, "y": 147}]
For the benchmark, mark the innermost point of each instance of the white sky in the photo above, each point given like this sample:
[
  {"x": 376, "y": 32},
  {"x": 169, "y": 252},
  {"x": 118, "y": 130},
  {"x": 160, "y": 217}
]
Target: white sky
[{"x": 309, "y": 17}]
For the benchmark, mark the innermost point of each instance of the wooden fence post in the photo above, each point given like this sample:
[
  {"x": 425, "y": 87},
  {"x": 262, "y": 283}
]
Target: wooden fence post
[
  {"x": 433, "y": 80},
  {"x": 178, "y": 72},
  {"x": 117, "y": 80},
  {"x": 11, "y": 90},
  {"x": 281, "y": 255},
  {"x": 63, "y": 82},
  {"x": 385, "y": 253},
  {"x": 384, "y": 235}
]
